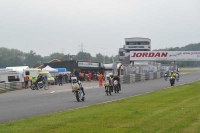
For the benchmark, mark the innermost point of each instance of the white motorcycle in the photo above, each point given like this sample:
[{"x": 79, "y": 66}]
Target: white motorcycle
[
  {"x": 165, "y": 77},
  {"x": 76, "y": 87},
  {"x": 116, "y": 87}
]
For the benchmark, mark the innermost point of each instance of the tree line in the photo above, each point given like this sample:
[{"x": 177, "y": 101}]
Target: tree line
[
  {"x": 14, "y": 57},
  {"x": 190, "y": 47}
]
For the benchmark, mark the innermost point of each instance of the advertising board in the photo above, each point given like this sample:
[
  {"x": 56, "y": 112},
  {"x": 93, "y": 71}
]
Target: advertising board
[
  {"x": 164, "y": 55},
  {"x": 88, "y": 64}
]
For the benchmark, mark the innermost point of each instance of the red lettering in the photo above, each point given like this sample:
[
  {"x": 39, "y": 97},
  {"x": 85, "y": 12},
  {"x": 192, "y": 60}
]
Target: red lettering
[
  {"x": 139, "y": 54},
  {"x": 147, "y": 54},
  {"x": 151, "y": 54},
  {"x": 164, "y": 54},
  {"x": 157, "y": 55}
]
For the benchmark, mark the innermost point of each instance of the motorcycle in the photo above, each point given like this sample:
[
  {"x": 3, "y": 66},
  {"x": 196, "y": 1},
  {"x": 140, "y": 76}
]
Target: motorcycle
[
  {"x": 116, "y": 87},
  {"x": 172, "y": 81},
  {"x": 78, "y": 92},
  {"x": 177, "y": 78},
  {"x": 40, "y": 85},
  {"x": 108, "y": 87},
  {"x": 165, "y": 77}
]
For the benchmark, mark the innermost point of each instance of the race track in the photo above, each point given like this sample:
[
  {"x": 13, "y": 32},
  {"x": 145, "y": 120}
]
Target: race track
[{"x": 26, "y": 103}]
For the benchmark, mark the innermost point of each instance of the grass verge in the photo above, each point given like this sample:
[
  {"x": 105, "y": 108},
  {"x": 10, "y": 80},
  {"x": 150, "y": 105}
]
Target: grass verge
[
  {"x": 194, "y": 69},
  {"x": 170, "y": 110},
  {"x": 3, "y": 91}
]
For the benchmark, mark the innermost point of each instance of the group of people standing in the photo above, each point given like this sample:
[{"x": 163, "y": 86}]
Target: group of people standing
[{"x": 85, "y": 76}]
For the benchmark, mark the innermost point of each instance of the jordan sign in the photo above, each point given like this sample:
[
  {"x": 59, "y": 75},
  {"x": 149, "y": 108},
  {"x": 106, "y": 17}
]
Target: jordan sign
[{"x": 164, "y": 55}]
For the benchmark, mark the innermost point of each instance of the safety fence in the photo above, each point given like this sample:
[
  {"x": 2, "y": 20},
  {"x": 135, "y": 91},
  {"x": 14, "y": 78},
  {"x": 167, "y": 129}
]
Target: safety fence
[
  {"x": 11, "y": 86},
  {"x": 132, "y": 78}
]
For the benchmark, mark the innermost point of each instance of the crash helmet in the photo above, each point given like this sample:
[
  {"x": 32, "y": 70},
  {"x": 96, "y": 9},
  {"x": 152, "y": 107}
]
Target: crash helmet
[
  {"x": 108, "y": 77},
  {"x": 74, "y": 79}
]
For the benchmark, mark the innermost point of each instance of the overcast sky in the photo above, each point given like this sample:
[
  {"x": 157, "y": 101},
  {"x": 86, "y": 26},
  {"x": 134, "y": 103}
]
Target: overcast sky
[{"x": 48, "y": 26}]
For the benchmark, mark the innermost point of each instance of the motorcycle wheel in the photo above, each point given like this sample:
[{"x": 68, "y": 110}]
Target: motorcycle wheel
[
  {"x": 115, "y": 89},
  {"x": 32, "y": 87},
  {"x": 83, "y": 99},
  {"x": 46, "y": 86},
  {"x": 118, "y": 89},
  {"x": 77, "y": 96},
  {"x": 107, "y": 90}
]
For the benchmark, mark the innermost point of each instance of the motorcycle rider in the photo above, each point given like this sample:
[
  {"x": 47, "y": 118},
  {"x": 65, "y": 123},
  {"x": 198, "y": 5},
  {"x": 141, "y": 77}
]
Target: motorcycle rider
[
  {"x": 172, "y": 74},
  {"x": 177, "y": 75},
  {"x": 39, "y": 78},
  {"x": 116, "y": 77},
  {"x": 109, "y": 79},
  {"x": 74, "y": 81},
  {"x": 165, "y": 75}
]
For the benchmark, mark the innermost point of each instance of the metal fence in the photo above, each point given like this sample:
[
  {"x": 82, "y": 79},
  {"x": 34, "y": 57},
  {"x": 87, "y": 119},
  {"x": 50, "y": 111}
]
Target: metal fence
[
  {"x": 132, "y": 78},
  {"x": 10, "y": 86}
]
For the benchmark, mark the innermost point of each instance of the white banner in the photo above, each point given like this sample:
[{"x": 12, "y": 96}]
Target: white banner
[
  {"x": 164, "y": 55},
  {"x": 88, "y": 64}
]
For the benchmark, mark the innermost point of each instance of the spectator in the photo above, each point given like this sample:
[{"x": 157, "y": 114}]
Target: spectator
[
  {"x": 26, "y": 79},
  {"x": 60, "y": 77}
]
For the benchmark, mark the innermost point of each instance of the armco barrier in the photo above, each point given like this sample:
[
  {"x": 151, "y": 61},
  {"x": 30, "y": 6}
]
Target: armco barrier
[
  {"x": 142, "y": 76},
  {"x": 151, "y": 75},
  {"x": 155, "y": 75},
  {"x": 132, "y": 78},
  {"x": 158, "y": 75},
  {"x": 137, "y": 77},
  {"x": 10, "y": 86},
  {"x": 146, "y": 76}
]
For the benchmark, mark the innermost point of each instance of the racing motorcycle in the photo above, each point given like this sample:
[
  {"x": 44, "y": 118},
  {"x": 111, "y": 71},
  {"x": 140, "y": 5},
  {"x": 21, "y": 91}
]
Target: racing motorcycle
[
  {"x": 40, "y": 85},
  {"x": 78, "y": 92},
  {"x": 165, "y": 77},
  {"x": 172, "y": 80},
  {"x": 177, "y": 77},
  {"x": 115, "y": 85},
  {"x": 107, "y": 87}
]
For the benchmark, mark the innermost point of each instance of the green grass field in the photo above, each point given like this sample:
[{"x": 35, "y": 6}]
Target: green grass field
[
  {"x": 174, "y": 110},
  {"x": 188, "y": 69}
]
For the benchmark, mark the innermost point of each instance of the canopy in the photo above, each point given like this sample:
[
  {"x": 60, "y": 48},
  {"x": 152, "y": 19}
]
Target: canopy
[
  {"x": 61, "y": 70},
  {"x": 50, "y": 69}
]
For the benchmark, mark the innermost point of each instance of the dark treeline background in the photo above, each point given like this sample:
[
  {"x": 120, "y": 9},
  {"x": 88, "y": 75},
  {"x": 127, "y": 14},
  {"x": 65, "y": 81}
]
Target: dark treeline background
[
  {"x": 190, "y": 47},
  {"x": 14, "y": 57}
]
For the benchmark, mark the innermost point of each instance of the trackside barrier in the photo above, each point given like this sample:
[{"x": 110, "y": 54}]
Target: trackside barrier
[
  {"x": 142, "y": 76},
  {"x": 10, "y": 86},
  {"x": 158, "y": 75},
  {"x": 146, "y": 76},
  {"x": 150, "y": 75},
  {"x": 155, "y": 75},
  {"x": 137, "y": 77},
  {"x": 132, "y": 78}
]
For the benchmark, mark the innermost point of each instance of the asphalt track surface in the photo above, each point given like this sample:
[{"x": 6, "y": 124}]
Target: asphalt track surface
[{"x": 26, "y": 103}]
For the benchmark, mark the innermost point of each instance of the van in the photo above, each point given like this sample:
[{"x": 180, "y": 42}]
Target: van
[{"x": 33, "y": 73}]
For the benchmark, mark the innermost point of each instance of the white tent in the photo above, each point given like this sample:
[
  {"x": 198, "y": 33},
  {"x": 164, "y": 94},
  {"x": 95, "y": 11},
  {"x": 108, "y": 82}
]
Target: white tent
[{"x": 50, "y": 69}]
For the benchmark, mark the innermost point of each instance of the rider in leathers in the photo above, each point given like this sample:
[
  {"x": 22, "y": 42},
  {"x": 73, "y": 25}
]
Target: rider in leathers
[
  {"x": 172, "y": 74},
  {"x": 118, "y": 81}
]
